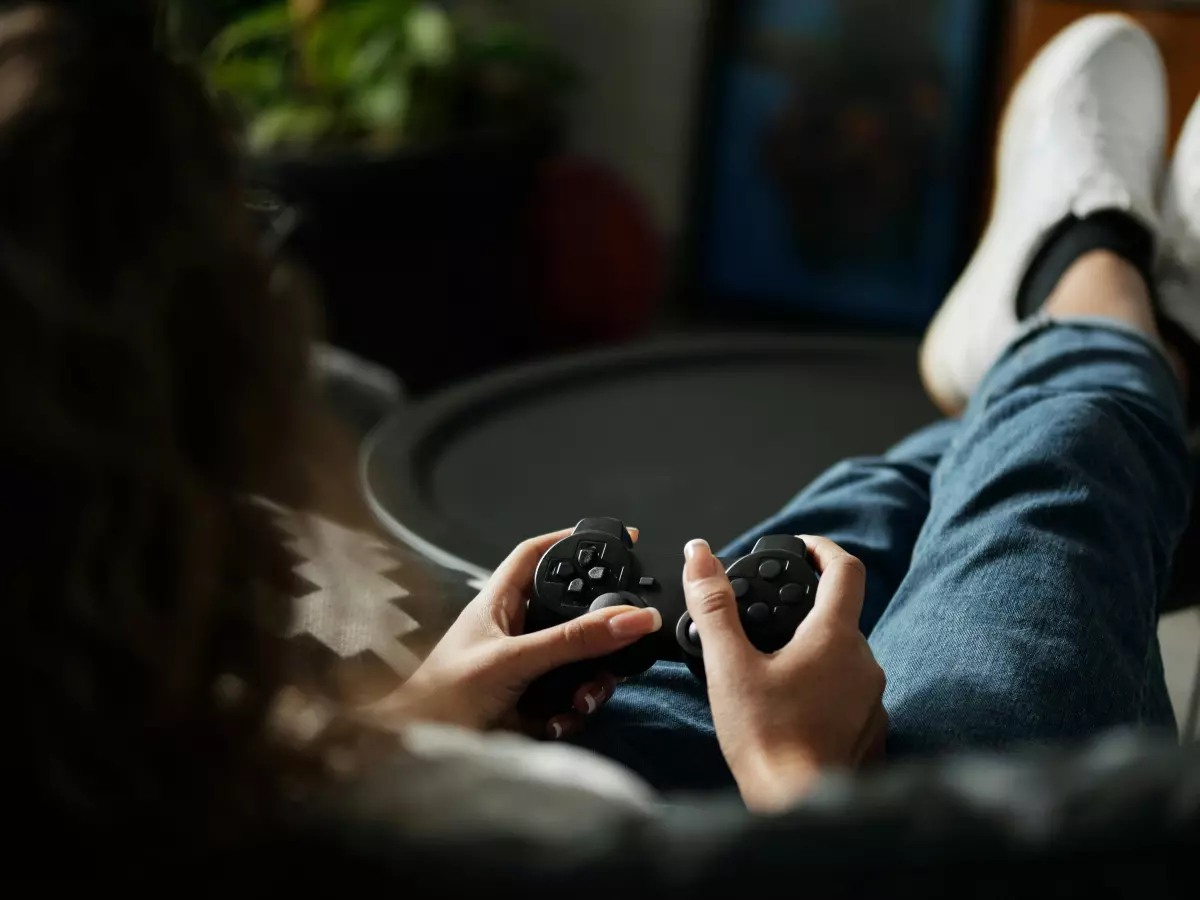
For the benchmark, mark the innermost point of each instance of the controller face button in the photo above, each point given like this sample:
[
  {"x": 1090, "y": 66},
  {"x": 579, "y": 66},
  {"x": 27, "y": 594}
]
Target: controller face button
[
  {"x": 647, "y": 582},
  {"x": 741, "y": 587},
  {"x": 564, "y": 570},
  {"x": 793, "y": 594},
  {"x": 597, "y": 573},
  {"x": 770, "y": 569},
  {"x": 575, "y": 587},
  {"x": 758, "y": 613},
  {"x": 693, "y": 634}
]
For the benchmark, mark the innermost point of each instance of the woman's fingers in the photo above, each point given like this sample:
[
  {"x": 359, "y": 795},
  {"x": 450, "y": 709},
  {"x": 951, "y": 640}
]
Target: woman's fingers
[
  {"x": 713, "y": 609},
  {"x": 565, "y": 726},
  {"x": 590, "y": 636},
  {"x": 590, "y": 697},
  {"x": 875, "y": 737},
  {"x": 516, "y": 572},
  {"x": 843, "y": 580}
]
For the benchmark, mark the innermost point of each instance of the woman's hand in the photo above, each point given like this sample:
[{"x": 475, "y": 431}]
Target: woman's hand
[
  {"x": 815, "y": 704},
  {"x": 483, "y": 665}
]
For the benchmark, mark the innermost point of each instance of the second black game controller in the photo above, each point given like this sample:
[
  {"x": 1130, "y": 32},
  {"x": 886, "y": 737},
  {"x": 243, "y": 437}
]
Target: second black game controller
[{"x": 597, "y": 566}]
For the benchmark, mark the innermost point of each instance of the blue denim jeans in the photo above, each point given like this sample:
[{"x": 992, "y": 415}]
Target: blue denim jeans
[{"x": 1015, "y": 562}]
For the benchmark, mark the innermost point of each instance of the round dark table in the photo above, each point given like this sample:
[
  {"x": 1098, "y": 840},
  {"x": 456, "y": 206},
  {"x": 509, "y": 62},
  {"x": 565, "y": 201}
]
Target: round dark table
[{"x": 695, "y": 437}]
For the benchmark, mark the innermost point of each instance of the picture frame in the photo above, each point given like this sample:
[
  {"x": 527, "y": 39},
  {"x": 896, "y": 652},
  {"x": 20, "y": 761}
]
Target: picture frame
[{"x": 841, "y": 159}]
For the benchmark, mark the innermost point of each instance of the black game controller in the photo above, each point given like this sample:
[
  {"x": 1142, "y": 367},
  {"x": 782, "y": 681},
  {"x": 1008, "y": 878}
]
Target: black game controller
[{"x": 597, "y": 567}]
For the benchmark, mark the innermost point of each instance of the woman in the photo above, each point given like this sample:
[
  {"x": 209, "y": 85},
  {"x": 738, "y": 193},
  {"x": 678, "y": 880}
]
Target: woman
[
  {"x": 159, "y": 410},
  {"x": 157, "y": 394}
]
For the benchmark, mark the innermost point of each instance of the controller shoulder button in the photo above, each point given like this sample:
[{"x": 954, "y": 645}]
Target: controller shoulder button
[{"x": 786, "y": 543}]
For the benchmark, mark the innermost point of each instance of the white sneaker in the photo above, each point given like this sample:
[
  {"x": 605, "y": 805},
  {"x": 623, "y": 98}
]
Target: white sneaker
[
  {"x": 1084, "y": 131},
  {"x": 1179, "y": 259}
]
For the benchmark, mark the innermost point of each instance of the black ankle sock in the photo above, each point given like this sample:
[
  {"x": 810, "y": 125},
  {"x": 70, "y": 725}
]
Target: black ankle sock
[{"x": 1111, "y": 230}]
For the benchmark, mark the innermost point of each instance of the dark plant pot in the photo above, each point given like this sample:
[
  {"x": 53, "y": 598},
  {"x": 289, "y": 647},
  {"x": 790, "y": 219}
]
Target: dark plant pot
[{"x": 421, "y": 257}]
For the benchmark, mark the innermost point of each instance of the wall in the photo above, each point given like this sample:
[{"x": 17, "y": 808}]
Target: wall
[{"x": 641, "y": 60}]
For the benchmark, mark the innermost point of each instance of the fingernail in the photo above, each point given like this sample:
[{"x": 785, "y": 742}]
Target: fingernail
[
  {"x": 598, "y": 699},
  {"x": 593, "y": 701},
  {"x": 700, "y": 561},
  {"x": 635, "y": 623},
  {"x": 556, "y": 731}
]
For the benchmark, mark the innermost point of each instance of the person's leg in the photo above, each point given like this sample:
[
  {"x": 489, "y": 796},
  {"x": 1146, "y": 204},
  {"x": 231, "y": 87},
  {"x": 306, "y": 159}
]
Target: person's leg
[
  {"x": 1029, "y": 609},
  {"x": 659, "y": 724},
  {"x": 1029, "y": 612},
  {"x": 1076, "y": 445},
  {"x": 873, "y": 507}
]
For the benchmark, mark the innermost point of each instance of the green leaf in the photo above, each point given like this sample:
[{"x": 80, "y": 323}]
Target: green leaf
[
  {"x": 375, "y": 57},
  {"x": 377, "y": 71},
  {"x": 291, "y": 124},
  {"x": 272, "y": 25},
  {"x": 338, "y": 39},
  {"x": 384, "y": 106},
  {"x": 249, "y": 80},
  {"x": 431, "y": 37}
]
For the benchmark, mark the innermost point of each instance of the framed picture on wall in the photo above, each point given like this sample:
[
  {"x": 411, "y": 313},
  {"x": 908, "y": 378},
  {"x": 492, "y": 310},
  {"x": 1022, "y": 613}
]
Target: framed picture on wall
[{"x": 841, "y": 164}]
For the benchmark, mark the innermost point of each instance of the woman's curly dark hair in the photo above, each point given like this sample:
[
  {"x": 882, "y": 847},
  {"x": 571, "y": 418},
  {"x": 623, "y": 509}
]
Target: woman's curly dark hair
[{"x": 154, "y": 389}]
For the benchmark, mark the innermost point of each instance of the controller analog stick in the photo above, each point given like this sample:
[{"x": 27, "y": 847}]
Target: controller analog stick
[{"x": 617, "y": 598}]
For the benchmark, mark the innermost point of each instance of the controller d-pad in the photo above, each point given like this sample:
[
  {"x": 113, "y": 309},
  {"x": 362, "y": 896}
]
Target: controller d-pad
[
  {"x": 564, "y": 570},
  {"x": 589, "y": 554},
  {"x": 575, "y": 590},
  {"x": 597, "y": 573}
]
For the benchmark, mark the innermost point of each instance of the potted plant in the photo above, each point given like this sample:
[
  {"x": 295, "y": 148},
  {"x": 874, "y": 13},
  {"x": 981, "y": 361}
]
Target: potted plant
[{"x": 408, "y": 135}]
